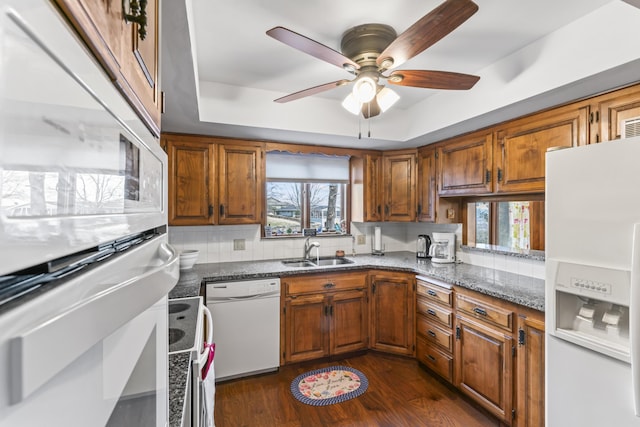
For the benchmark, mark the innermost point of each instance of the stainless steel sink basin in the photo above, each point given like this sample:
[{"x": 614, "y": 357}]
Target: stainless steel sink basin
[
  {"x": 313, "y": 262},
  {"x": 301, "y": 263},
  {"x": 332, "y": 261}
]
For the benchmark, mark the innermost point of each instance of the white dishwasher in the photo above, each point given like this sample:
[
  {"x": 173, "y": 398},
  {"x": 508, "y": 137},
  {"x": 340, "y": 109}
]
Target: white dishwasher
[{"x": 246, "y": 326}]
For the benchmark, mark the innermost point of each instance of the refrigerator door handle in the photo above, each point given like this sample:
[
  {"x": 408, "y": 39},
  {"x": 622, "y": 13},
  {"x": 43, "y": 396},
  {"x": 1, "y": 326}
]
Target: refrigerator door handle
[{"x": 634, "y": 318}]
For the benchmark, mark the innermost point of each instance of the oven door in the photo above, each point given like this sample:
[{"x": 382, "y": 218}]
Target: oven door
[
  {"x": 93, "y": 350},
  {"x": 77, "y": 166}
]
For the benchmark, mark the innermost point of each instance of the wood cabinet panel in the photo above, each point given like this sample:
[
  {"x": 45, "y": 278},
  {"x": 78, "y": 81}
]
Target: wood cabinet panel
[
  {"x": 241, "y": 184},
  {"x": 427, "y": 184},
  {"x": 191, "y": 173},
  {"x": 615, "y": 110},
  {"x": 484, "y": 366},
  {"x": 434, "y": 333},
  {"x": 393, "y": 313},
  {"x": 521, "y": 147},
  {"x": 434, "y": 293},
  {"x": 366, "y": 190},
  {"x": 350, "y": 321},
  {"x": 530, "y": 371},
  {"x": 306, "y": 328},
  {"x": 399, "y": 172},
  {"x": 325, "y": 282},
  {"x": 485, "y": 311},
  {"x": 465, "y": 165},
  {"x": 131, "y": 62},
  {"x": 439, "y": 315}
]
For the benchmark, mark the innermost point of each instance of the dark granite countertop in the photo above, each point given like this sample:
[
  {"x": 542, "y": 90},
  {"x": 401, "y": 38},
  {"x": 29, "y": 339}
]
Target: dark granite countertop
[{"x": 519, "y": 289}]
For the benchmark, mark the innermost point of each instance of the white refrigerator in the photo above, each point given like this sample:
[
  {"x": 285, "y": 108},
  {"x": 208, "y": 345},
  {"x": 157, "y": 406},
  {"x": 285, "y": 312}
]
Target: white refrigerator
[{"x": 592, "y": 285}]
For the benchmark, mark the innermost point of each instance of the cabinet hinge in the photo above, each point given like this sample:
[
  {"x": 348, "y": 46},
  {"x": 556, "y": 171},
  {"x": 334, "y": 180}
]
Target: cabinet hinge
[
  {"x": 284, "y": 310},
  {"x": 521, "y": 337},
  {"x": 513, "y": 351},
  {"x": 499, "y": 174},
  {"x": 513, "y": 414},
  {"x": 373, "y": 288},
  {"x": 436, "y": 156},
  {"x": 457, "y": 332}
]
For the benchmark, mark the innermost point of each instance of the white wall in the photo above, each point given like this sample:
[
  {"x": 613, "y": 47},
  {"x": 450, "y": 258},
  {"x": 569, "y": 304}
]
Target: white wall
[{"x": 216, "y": 243}]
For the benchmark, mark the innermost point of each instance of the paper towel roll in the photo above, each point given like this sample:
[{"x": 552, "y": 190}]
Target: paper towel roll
[{"x": 377, "y": 239}]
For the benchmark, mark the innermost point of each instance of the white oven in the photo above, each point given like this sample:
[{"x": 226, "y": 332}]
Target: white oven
[{"x": 85, "y": 264}]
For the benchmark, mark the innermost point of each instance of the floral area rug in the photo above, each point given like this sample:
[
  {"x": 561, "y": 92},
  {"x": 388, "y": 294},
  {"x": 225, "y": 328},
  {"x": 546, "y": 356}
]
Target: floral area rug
[{"x": 330, "y": 385}]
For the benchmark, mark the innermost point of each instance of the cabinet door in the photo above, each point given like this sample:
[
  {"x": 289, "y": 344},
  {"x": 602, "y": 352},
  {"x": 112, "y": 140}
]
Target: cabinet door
[
  {"x": 191, "y": 182},
  {"x": 132, "y": 63},
  {"x": 484, "y": 367},
  {"x": 619, "y": 115},
  {"x": 241, "y": 179},
  {"x": 427, "y": 184},
  {"x": 530, "y": 373},
  {"x": 465, "y": 165},
  {"x": 349, "y": 321},
  {"x": 366, "y": 193},
  {"x": 399, "y": 179},
  {"x": 393, "y": 313},
  {"x": 306, "y": 328},
  {"x": 521, "y": 147}
]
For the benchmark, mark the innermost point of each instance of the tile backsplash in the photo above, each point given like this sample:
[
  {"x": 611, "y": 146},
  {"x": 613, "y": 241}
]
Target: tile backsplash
[{"x": 225, "y": 243}]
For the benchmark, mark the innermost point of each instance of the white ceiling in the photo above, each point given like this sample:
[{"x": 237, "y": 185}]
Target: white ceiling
[{"x": 221, "y": 71}]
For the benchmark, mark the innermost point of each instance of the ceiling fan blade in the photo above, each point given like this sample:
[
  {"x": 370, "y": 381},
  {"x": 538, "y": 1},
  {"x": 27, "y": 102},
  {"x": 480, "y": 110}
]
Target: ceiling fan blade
[
  {"x": 427, "y": 31},
  {"x": 311, "y": 91},
  {"x": 431, "y": 79},
  {"x": 311, "y": 47},
  {"x": 371, "y": 109}
]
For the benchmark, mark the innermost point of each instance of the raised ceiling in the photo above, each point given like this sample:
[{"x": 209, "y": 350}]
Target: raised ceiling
[{"x": 221, "y": 72}]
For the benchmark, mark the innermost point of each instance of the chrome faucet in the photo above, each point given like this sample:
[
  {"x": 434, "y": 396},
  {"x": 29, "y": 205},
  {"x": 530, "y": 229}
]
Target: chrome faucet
[{"x": 308, "y": 246}]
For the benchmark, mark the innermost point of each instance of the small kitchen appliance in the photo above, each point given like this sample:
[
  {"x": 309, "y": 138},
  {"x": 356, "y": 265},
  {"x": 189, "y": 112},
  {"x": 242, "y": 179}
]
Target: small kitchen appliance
[
  {"x": 443, "y": 248},
  {"x": 423, "y": 246}
]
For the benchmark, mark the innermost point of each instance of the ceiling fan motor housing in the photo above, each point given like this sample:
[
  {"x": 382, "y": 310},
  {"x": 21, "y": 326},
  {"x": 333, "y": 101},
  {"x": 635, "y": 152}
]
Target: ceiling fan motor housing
[{"x": 364, "y": 43}]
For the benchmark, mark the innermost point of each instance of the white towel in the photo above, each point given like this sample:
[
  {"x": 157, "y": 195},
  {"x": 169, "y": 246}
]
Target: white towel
[{"x": 209, "y": 392}]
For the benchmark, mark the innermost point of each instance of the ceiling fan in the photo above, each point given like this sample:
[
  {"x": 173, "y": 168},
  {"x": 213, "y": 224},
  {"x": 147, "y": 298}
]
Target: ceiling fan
[{"x": 368, "y": 51}]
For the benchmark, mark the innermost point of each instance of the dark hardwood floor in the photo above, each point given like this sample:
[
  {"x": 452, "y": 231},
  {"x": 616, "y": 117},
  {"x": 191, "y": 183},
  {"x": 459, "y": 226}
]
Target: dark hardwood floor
[{"x": 400, "y": 393}]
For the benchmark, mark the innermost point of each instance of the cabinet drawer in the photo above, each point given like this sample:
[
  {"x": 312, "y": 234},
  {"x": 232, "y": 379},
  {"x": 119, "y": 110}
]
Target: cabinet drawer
[
  {"x": 486, "y": 312},
  {"x": 434, "y": 334},
  {"x": 435, "y": 312},
  {"x": 325, "y": 283},
  {"x": 435, "y": 293},
  {"x": 435, "y": 359}
]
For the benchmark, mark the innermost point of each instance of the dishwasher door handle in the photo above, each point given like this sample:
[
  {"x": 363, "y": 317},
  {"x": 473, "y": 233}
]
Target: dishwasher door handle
[{"x": 242, "y": 298}]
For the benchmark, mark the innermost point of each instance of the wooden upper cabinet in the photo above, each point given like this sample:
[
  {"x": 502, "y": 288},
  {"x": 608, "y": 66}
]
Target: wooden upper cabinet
[
  {"x": 132, "y": 63},
  {"x": 366, "y": 194},
  {"x": 521, "y": 147},
  {"x": 465, "y": 165},
  {"x": 617, "y": 115},
  {"x": 427, "y": 184},
  {"x": 191, "y": 181},
  {"x": 399, "y": 179},
  {"x": 241, "y": 173}
]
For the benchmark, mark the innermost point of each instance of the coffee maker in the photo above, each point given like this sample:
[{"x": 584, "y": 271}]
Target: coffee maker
[
  {"x": 443, "y": 249},
  {"x": 424, "y": 243}
]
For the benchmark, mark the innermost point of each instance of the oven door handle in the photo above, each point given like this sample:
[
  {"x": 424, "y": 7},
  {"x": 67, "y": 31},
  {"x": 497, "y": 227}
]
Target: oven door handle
[
  {"x": 40, "y": 353},
  {"x": 204, "y": 356}
]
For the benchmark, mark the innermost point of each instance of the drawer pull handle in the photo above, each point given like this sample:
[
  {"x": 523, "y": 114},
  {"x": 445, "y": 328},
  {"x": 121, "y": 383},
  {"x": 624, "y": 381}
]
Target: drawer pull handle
[
  {"x": 431, "y": 358},
  {"x": 430, "y": 332},
  {"x": 431, "y": 312},
  {"x": 329, "y": 285},
  {"x": 480, "y": 311},
  {"x": 432, "y": 293}
]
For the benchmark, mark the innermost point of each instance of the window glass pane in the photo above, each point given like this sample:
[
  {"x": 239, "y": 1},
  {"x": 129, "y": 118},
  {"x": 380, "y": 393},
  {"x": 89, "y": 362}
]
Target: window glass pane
[
  {"x": 284, "y": 208},
  {"x": 514, "y": 225},
  {"x": 326, "y": 207},
  {"x": 482, "y": 222}
]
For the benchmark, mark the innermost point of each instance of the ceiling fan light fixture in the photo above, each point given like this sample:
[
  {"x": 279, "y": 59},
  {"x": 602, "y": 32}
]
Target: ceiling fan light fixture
[
  {"x": 386, "y": 98},
  {"x": 365, "y": 89},
  {"x": 351, "y": 104}
]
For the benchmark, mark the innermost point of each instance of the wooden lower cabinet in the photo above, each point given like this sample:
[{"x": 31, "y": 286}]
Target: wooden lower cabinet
[
  {"x": 484, "y": 366},
  {"x": 393, "y": 313},
  {"x": 324, "y": 315},
  {"x": 530, "y": 371}
]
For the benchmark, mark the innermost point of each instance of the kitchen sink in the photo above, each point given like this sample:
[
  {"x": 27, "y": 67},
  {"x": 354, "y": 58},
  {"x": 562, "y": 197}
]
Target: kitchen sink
[
  {"x": 332, "y": 261},
  {"x": 298, "y": 263},
  {"x": 313, "y": 262}
]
